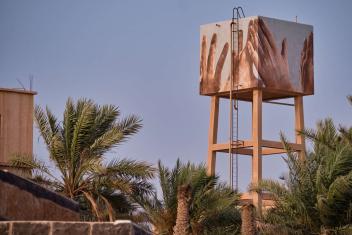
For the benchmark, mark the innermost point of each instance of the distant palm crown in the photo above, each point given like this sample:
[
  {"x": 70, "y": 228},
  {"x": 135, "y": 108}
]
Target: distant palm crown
[{"x": 316, "y": 195}]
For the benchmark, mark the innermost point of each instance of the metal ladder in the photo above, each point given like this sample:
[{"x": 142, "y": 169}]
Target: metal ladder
[{"x": 237, "y": 13}]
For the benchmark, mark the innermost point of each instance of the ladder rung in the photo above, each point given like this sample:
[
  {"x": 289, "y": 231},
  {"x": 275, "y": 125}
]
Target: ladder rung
[{"x": 237, "y": 143}]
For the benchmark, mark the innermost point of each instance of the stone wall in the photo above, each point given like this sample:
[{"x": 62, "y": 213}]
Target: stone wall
[
  {"x": 122, "y": 227},
  {"x": 22, "y": 199}
]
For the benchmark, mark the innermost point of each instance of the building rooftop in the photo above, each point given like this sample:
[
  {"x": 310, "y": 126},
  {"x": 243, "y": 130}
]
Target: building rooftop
[{"x": 18, "y": 90}]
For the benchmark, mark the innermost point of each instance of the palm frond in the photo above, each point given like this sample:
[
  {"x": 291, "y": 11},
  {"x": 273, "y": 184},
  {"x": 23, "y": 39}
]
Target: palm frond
[
  {"x": 346, "y": 134},
  {"x": 109, "y": 208},
  {"x": 105, "y": 119},
  {"x": 82, "y": 128},
  {"x": 340, "y": 163},
  {"x": 68, "y": 126},
  {"x": 339, "y": 195},
  {"x": 130, "y": 169},
  {"x": 277, "y": 189},
  {"x": 106, "y": 142},
  {"x": 43, "y": 125},
  {"x": 27, "y": 162},
  {"x": 52, "y": 120},
  {"x": 164, "y": 176},
  {"x": 326, "y": 134},
  {"x": 93, "y": 204},
  {"x": 129, "y": 126}
]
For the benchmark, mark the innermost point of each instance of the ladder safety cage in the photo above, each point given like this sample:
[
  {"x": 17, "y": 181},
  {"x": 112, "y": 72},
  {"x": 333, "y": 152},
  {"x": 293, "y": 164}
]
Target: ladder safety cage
[{"x": 237, "y": 13}]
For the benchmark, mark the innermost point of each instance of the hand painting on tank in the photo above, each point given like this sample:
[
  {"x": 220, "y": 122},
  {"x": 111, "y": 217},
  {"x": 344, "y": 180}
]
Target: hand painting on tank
[
  {"x": 210, "y": 79},
  {"x": 272, "y": 54}
]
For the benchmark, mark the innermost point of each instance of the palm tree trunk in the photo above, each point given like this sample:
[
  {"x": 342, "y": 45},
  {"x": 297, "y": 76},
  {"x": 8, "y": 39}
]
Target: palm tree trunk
[
  {"x": 248, "y": 220},
  {"x": 182, "y": 225}
]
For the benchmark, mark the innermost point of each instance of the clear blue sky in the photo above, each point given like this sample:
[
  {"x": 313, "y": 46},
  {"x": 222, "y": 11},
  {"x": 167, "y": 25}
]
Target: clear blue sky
[{"x": 144, "y": 57}]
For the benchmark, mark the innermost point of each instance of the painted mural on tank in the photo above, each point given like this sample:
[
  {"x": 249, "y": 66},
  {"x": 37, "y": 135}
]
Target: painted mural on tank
[{"x": 272, "y": 54}]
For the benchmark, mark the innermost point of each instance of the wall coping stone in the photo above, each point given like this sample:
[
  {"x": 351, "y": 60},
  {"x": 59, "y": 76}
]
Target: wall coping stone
[
  {"x": 38, "y": 190},
  {"x": 118, "y": 227}
]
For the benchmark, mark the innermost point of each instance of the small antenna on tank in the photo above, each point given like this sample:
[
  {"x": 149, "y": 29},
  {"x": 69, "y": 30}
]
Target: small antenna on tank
[
  {"x": 30, "y": 82},
  {"x": 21, "y": 84}
]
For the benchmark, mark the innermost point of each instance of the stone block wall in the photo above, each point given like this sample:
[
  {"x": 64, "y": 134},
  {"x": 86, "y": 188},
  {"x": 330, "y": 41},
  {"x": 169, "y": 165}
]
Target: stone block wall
[
  {"x": 22, "y": 199},
  {"x": 123, "y": 227}
]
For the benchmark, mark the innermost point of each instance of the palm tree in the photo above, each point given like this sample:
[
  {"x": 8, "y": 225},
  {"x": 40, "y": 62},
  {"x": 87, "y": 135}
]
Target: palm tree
[
  {"x": 316, "y": 196},
  {"x": 194, "y": 202},
  {"x": 248, "y": 226},
  {"x": 183, "y": 204},
  {"x": 76, "y": 148}
]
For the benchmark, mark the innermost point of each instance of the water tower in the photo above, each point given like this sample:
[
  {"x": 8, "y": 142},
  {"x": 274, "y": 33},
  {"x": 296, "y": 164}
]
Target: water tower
[
  {"x": 254, "y": 59},
  {"x": 16, "y": 127}
]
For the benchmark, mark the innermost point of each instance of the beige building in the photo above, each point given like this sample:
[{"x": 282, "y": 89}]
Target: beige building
[{"x": 16, "y": 124}]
